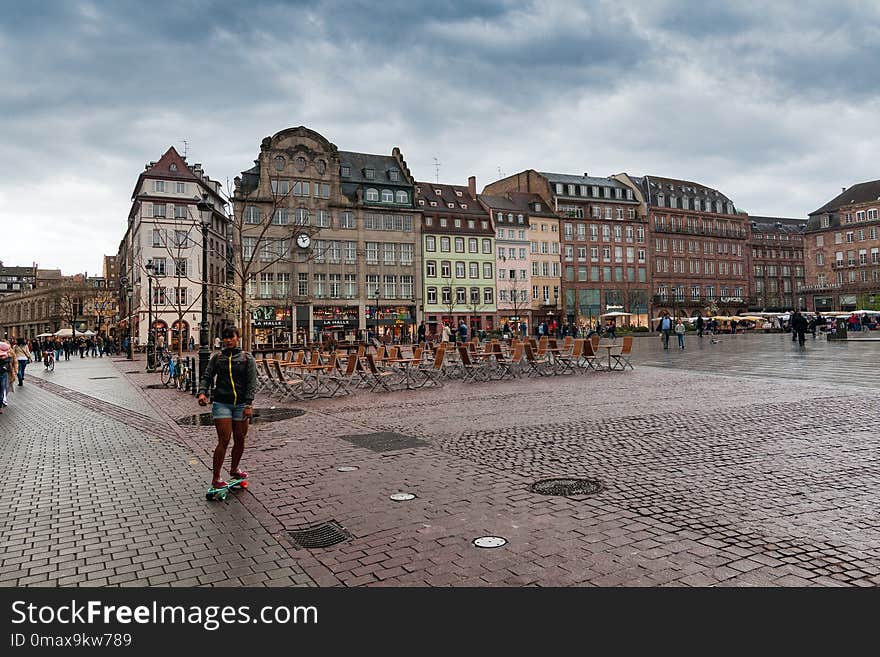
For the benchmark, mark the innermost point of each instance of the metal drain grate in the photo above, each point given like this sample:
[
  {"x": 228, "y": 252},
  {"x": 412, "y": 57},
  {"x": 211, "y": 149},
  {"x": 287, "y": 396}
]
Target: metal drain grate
[
  {"x": 384, "y": 441},
  {"x": 567, "y": 487},
  {"x": 319, "y": 536},
  {"x": 155, "y": 386}
]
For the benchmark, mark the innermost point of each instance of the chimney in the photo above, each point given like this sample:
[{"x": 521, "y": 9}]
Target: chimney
[
  {"x": 586, "y": 175},
  {"x": 842, "y": 190},
  {"x": 472, "y": 186}
]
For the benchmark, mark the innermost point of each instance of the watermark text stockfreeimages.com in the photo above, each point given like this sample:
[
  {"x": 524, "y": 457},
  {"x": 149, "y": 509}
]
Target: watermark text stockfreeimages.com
[{"x": 210, "y": 617}]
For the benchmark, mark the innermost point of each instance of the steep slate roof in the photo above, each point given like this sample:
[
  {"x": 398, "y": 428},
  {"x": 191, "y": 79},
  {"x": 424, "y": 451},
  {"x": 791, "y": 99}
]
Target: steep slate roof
[
  {"x": 860, "y": 193},
  {"x": 525, "y": 199},
  {"x": 16, "y": 271},
  {"x": 569, "y": 179},
  {"x": 162, "y": 170},
  {"x": 381, "y": 165},
  {"x": 426, "y": 191},
  {"x": 499, "y": 202},
  {"x": 654, "y": 185},
  {"x": 778, "y": 224}
]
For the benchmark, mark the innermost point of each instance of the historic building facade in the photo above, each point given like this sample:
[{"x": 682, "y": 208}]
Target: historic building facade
[
  {"x": 842, "y": 251},
  {"x": 458, "y": 245},
  {"x": 699, "y": 248},
  {"x": 512, "y": 259},
  {"x": 600, "y": 262},
  {"x": 161, "y": 252},
  {"x": 328, "y": 240},
  {"x": 17, "y": 279},
  {"x": 777, "y": 263}
]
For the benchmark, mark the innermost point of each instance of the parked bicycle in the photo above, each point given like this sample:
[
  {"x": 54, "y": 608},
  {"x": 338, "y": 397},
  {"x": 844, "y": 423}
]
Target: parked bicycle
[{"x": 177, "y": 372}]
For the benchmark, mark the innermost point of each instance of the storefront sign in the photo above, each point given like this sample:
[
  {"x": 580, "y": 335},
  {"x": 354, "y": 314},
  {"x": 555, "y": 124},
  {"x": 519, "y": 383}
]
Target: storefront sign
[
  {"x": 731, "y": 299},
  {"x": 269, "y": 323}
]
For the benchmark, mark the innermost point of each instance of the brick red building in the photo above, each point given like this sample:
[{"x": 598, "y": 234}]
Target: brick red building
[
  {"x": 699, "y": 248},
  {"x": 842, "y": 251},
  {"x": 602, "y": 239},
  {"x": 777, "y": 271}
]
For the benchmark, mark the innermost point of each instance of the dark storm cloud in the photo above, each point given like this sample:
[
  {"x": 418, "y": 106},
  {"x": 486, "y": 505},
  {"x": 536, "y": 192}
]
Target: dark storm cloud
[{"x": 752, "y": 98}]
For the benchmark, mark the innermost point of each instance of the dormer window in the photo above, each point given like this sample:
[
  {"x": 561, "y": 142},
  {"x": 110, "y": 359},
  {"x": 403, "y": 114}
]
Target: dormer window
[
  {"x": 464, "y": 206},
  {"x": 519, "y": 218},
  {"x": 458, "y": 223},
  {"x": 660, "y": 200},
  {"x": 387, "y": 196},
  {"x": 172, "y": 167},
  {"x": 279, "y": 163},
  {"x": 450, "y": 205},
  {"x": 485, "y": 225},
  {"x": 458, "y": 192},
  {"x": 433, "y": 204},
  {"x": 472, "y": 224},
  {"x": 537, "y": 207},
  {"x": 369, "y": 174},
  {"x": 438, "y": 192},
  {"x": 345, "y": 171},
  {"x": 421, "y": 201},
  {"x": 393, "y": 175}
]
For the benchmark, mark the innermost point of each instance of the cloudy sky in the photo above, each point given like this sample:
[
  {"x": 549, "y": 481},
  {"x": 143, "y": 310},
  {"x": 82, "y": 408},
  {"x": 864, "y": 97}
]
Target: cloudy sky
[{"x": 775, "y": 104}]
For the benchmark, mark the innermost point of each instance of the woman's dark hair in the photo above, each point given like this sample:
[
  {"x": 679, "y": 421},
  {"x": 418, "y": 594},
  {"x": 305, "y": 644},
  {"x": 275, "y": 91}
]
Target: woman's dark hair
[
  {"x": 231, "y": 331},
  {"x": 20, "y": 341}
]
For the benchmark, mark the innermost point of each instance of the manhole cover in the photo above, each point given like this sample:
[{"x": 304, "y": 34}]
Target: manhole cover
[
  {"x": 155, "y": 386},
  {"x": 567, "y": 487},
  {"x": 346, "y": 468},
  {"x": 384, "y": 441},
  {"x": 98, "y": 378},
  {"x": 490, "y": 541},
  {"x": 403, "y": 497},
  {"x": 260, "y": 416},
  {"x": 323, "y": 535}
]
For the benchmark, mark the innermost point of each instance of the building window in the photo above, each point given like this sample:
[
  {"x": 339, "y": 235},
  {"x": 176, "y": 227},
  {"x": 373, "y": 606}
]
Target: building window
[
  {"x": 488, "y": 296},
  {"x": 459, "y": 269},
  {"x": 372, "y": 194},
  {"x": 444, "y": 244},
  {"x": 487, "y": 246},
  {"x": 387, "y": 196},
  {"x": 432, "y": 295},
  {"x": 345, "y": 171},
  {"x": 402, "y": 196},
  {"x": 487, "y": 270},
  {"x": 459, "y": 245},
  {"x": 430, "y": 243}
]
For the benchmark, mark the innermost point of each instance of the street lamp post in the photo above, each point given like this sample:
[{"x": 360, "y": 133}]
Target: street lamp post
[
  {"x": 206, "y": 213},
  {"x": 151, "y": 339},
  {"x": 556, "y": 312}
]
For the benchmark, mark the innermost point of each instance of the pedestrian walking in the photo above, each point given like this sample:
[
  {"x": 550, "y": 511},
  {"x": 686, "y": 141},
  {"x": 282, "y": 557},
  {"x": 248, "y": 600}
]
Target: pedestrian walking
[
  {"x": 699, "y": 326},
  {"x": 216, "y": 344},
  {"x": 446, "y": 333},
  {"x": 462, "y": 331},
  {"x": 679, "y": 333},
  {"x": 232, "y": 375},
  {"x": 665, "y": 329},
  {"x": 799, "y": 327},
  {"x": 6, "y": 372},
  {"x": 421, "y": 331},
  {"x": 22, "y": 355}
]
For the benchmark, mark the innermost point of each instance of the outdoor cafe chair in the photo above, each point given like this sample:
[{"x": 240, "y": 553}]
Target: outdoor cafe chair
[
  {"x": 536, "y": 365},
  {"x": 290, "y": 385},
  {"x": 589, "y": 357},
  {"x": 472, "y": 370},
  {"x": 430, "y": 372},
  {"x": 622, "y": 358},
  {"x": 565, "y": 360},
  {"x": 378, "y": 378}
]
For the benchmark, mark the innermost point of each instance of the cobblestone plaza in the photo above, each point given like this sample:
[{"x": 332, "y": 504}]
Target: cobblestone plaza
[{"x": 739, "y": 461}]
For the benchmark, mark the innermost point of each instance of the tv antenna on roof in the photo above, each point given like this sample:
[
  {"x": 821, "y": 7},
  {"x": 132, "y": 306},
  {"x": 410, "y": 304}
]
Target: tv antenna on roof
[
  {"x": 500, "y": 172},
  {"x": 436, "y": 170},
  {"x": 185, "y": 147}
]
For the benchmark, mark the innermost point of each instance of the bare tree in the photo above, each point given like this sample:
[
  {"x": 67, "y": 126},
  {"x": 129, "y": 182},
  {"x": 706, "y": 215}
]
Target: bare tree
[
  {"x": 265, "y": 233},
  {"x": 71, "y": 300},
  {"x": 517, "y": 301},
  {"x": 182, "y": 270}
]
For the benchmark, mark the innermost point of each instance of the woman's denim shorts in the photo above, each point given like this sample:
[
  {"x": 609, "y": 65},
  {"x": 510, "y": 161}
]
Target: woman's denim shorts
[{"x": 221, "y": 411}]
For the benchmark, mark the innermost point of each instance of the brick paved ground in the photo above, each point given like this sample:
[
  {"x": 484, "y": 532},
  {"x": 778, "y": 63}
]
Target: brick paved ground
[
  {"x": 749, "y": 477},
  {"x": 100, "y": 494}
]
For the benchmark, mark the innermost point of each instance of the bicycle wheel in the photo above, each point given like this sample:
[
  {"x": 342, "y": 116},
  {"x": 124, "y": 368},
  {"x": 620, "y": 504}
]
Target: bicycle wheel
[
  {"x": 166, "y": 374},
  {"x": 52, "y": 365},
  {"x": 181, "y": 378}
]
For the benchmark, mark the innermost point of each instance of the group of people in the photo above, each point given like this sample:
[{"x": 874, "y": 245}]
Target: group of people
[{"x": 13, "y": 361}]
